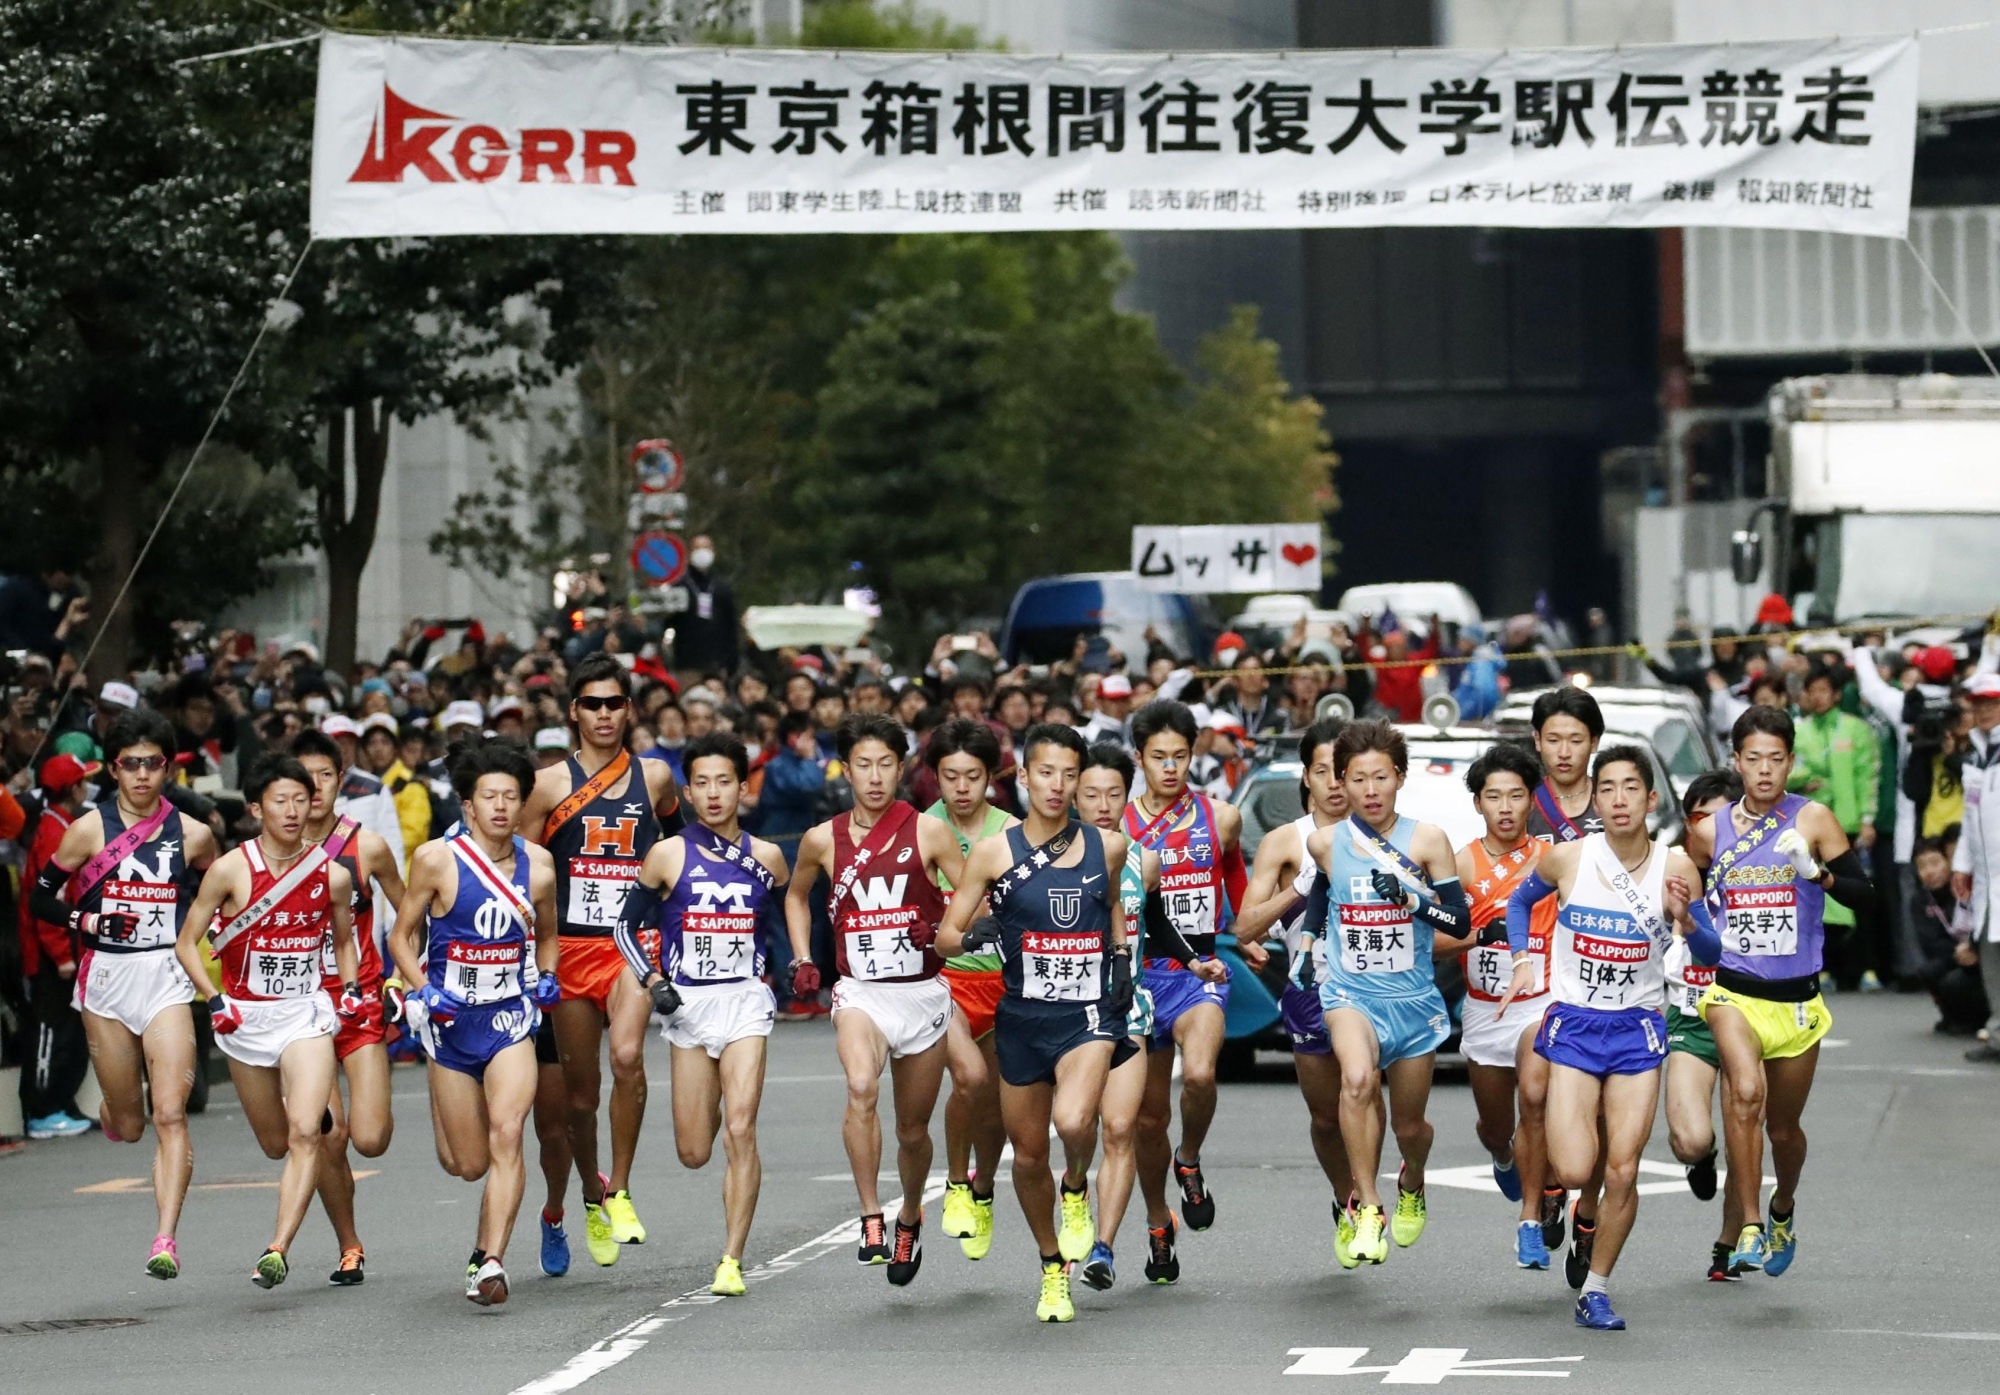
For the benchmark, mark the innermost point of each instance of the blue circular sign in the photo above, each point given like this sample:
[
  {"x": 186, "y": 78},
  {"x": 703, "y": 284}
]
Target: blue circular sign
[{"x": 659, "y": 559}]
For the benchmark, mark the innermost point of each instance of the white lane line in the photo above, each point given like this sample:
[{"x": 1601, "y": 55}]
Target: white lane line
[
  {"x": 1926, "y": 1336},
  {"x": 602, "y": 1356}
]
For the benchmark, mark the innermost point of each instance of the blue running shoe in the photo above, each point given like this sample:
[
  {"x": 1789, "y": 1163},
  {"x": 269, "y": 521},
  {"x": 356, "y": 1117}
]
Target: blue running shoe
[
  {"x": 1529, "y": 1251},
  {"x": 555, "y": 1249},
  {"x": 1782, "y": 1247},
  {"x": 1750, "y": 1250},
  {"x": 1508, "y": 1179},
  {"x": 1098, "y": 1270},
  {"x": 1593, "y": 1310}
]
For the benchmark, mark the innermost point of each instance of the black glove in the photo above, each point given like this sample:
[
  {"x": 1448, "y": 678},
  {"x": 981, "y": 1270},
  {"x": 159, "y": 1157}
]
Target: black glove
[
  {"x": 117, "y": 927},
  {"x": 666, "y": 998},
  {"x": 392, "y": 1000},
  {"x": 1389, "y": 887},
  {"x": 983, "y": 933},
  {"x": 1304, "y": 972},
  {"x": 1118, "y": 990}
]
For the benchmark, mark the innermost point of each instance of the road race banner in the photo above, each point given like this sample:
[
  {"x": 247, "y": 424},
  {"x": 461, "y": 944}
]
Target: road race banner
[{"x": 417, "y": 137}]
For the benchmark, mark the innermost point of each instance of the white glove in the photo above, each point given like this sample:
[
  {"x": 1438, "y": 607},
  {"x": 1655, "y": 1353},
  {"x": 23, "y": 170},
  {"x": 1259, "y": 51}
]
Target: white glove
[
  {"x": 1302, "y": 884},
  {"x": 1793, "y": 845}
]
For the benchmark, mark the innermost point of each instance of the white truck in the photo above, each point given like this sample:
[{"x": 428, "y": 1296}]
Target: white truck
[{"x": 1883, "y": 503}]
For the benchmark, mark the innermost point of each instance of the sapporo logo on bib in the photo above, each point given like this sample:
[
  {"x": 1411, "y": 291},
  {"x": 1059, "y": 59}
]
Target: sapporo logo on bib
[{"x": 1761, "y": 920}]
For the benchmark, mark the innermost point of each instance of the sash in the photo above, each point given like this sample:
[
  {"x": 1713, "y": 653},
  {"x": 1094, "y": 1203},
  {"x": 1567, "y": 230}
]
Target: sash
[
  {"x": 1041, "y": 859},
  {"x": 343, "y": 833},
  {"x": 475, "y": 860},
  {"x": 708, "y": 840},
  {"x": 314, "y": 859},
  {"x": 1759, "y": 833},
  {"x": 879, "y": 837},
  {"x": 1149, "y": 835},
  {"x": 1613, "y": 871},
  {"x": 1388, "y": 855},
  {"x": 118, "y": 849},
  {"x": 1563, "y": 826},
  {"x": 578, "y": 799}
]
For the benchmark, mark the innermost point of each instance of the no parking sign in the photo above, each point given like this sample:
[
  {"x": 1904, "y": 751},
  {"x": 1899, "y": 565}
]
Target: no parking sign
[{"x": 659, "y": 559}]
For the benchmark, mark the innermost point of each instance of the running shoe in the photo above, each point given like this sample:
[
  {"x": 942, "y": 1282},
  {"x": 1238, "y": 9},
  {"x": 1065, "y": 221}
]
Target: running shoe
[
  {"x": 1099, "y": 1271},
  {"x": 1529, "y": 1251},
  {"x": 1782, "y": 1247},
  {"x": 1407, "y": 1225},
  {"x": 57, "y": 1125},
  {"x": 625, "y": 1226},
  {"x": 1555, "y": 1205},
  {"x": 271, "y": 1269},
  {"x": 1197, "y": 1203},
  {"x": 555, "y": 1248},
  {"x": 1343, "y": 1237},
  {"x": 1750, "y": 1250},
  {"x": 598, "y": 1236},
  {"x": 488, "y": 1287},
  {"x": 979, "y": 1244},
  {"x": 1370, "y": 1244},
  {"x": 1582, "y": 1240},
  {"x": 1701, "y": 1178},
  {"x": 165, "y": 1261},
  {"x": 1718, "y": 1263},
  {"x": 1593, "y": 1310},
  {"x": 1078, "y": 1233},
  {"x": 874, "y": 1241},
  {"x": 1163, "y": 1266},
  {"x": 349, "y": 1271},
  {"x": 957, "y": 1220},
  {"x": 728, "y": 1280},
  {"x": 1508, "y": 1179},
  {"x": 1054, "y": 1305},
  {"x": 908, "y": 1256},
  {"x": 472, "y": 1266}
]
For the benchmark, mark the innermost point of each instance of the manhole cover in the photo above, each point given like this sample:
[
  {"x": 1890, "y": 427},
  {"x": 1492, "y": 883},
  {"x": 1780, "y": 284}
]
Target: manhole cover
[{"x": 21, "y": 1329}]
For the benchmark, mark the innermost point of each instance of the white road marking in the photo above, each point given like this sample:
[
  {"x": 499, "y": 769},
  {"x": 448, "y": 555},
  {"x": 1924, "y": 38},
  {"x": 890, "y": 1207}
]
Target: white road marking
[
  {"x": 1423, "y": 1366},
  {"x": 1925, "y": 1336},
  {"x": 1479, "y": 1178}
]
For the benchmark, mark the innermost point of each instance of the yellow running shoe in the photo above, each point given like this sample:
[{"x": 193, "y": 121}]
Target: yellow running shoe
[
  {"x": 1055, "y": 1305},
  {"x": 728, "y": 1279},
  {"x": 1343, "y": 1237},
  {"x": 597, "y": 1234},
  {"x": 1411, "y": 1213},
  {"x": 625, "y": 1226},
  {"x": 1078, "y": 1234},
  {"x": 1370, "y": 1244},
  {"x": 979, "y": 1244},
  {"x": 957, "y": 1220}
]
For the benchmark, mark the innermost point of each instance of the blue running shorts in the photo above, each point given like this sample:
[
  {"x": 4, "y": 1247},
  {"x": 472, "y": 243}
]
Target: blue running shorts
[
  {"x": 1030, "y": 1038},
  {"x": 1405, "y": 1028},
  {"x": 1304, "y": 1022},
  {"x": 475, "y": 1035},
  {"x": 1176, "y": 992},
  {"x": 1601, "y": 1041}
]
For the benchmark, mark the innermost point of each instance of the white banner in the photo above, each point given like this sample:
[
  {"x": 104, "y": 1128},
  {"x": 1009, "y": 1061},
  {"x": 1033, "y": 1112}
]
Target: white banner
[
  {"x": 1222, "y": 557},
  {"x": 414, "y": 137}
]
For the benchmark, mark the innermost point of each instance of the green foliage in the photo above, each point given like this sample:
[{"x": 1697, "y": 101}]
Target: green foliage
[{"x": 861, "y": 24}]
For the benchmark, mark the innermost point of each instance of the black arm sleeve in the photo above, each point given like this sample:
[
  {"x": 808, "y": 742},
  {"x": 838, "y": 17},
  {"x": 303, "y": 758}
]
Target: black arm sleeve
[
  {"x": 1851, "y": 885},
  {"x": 45, "y": 900},
  {"x": 1163, "y": 940},
  {"x": 1316, "y": 905},
  {"x": 1450, "y": 914}
]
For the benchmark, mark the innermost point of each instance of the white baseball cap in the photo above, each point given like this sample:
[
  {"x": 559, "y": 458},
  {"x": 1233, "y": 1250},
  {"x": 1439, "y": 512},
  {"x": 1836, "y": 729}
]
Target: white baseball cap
[
  {"x": 379, "y": 721},
  {"x": 463, "y": 713},
  {"x": 551, "y": 739},
  {"x": 118, "y": 695},
  {"x": 340, "y": 724},
  {"x": 503, "y": 705},
  {"x": 1983, "y": 685}
]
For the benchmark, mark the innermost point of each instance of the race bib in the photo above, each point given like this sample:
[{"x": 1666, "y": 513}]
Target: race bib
[
  {"x": 480, "y": 974},
  {"x": 885, "y": 953},
  {"x": 284, "y": 967},
  {"x": 1490, "y": 968},
  {"x": 150, "y": 903},
  {"x": 1191, "y": 907},
  {"x": 1609, "y": 970},
  {"x": 597, "y": 889},
  {"x": 1058, "y": 968},
  {"x": 1377, "y": 939},
  {"x": 717, "y": 948},
  {"x": 1761, "y": 921},
  {"x": 1695, "y": 981}
]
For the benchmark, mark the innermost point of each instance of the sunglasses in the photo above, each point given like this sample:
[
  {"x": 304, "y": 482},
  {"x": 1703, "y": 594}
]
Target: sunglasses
[
  {"x": 604, "y": 704},
  {"x": 132, "y": 765}
]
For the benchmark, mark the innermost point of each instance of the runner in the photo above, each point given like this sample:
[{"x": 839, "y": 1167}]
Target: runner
[
  {"x": 964, "y": 754},
  {"x": 1199, "y": 862},
  {"x": 1059, "y": 925},
  {"x": 131, "y": 866},
  {"x": 889, "y": 1005},
  {"x": 1383, "y": 1010},
  {"x": 1287, "y": 891},
  {"x": 1503, "y": 783},
  {"x": 1568, "y": 725},
  {"x": 1693, "y": 1065},
  {"x": 364, "y": 1118},
  {"x": 1785, "y": 855},
  {"x": 700, "y": 893},
  {"x": 270, "y": 907},
  {"x": 1621, "y": 899},
  {"x": 478, "y": 933},
  {"x": 599, "y": 813}
]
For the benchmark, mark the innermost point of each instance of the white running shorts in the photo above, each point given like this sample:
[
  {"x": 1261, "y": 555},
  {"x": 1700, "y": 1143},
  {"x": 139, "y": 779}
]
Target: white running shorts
[
  {"x": 710, "y": 1018},
  {"x": 912, "y": 1017},
  {"x": 131, "y": 989},
  {"x": 271, "y": 1025},
  {"x": 1485, "y": 1042}
]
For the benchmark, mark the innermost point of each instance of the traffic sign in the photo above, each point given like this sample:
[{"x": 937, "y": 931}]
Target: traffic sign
[
  {"x": 657, "y": 468},
  {"x": 659, "y": 559}
]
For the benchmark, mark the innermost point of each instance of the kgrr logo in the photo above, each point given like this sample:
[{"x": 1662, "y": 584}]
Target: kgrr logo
[{"x": 406, "y": 137}]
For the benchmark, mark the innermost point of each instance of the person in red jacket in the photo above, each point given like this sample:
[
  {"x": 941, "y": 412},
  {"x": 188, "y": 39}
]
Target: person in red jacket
[
  {"x": 61, "y": 1056},
  {"x": 1399, "y": 673}
]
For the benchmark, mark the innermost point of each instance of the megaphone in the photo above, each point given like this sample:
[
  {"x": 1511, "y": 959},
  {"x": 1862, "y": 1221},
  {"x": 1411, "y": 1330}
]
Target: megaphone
[
  {"x": 1337, "y": 705},
  {"x": 1441, "y": 711}
]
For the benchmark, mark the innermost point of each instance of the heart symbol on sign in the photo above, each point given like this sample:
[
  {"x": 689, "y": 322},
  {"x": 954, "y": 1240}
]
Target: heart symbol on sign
[{"x": 1298, "y": 554}]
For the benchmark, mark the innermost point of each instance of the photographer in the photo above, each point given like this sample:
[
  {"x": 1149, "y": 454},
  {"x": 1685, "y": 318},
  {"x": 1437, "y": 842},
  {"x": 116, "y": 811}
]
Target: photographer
[{"x": 41, "y": 613}]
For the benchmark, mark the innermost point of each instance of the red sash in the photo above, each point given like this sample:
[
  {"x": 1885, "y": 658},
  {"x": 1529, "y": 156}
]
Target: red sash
[{"x": 579, "y": 798}]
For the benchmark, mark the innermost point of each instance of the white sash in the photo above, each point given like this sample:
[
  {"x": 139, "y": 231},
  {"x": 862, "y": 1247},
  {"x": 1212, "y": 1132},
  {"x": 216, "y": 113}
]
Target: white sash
[
  {"x": 1621, "y": 881},
  {"x": 501, "y": 888},
  {"x": 312, "y": 861}
]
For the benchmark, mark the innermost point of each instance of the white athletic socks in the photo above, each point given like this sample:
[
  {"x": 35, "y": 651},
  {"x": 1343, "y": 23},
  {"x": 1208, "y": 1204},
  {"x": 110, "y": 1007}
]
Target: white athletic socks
[{"x": 1597, "y": 1283}]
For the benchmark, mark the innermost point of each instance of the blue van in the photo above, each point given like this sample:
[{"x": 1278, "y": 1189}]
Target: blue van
[{"x": 1049, "y": 612}]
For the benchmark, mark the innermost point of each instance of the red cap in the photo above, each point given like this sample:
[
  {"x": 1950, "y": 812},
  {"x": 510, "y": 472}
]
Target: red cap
[
  {"x": 475, "y": 633},
  {"x": 60, "y": 772},
  {"x": 1774, "y": 609},
  {"x": 1936, "y": 663},
  {"x": 1984, "y": 686},
  {"x": 1115, "y": 686},
  {"x": 1229, "y": 639}
]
